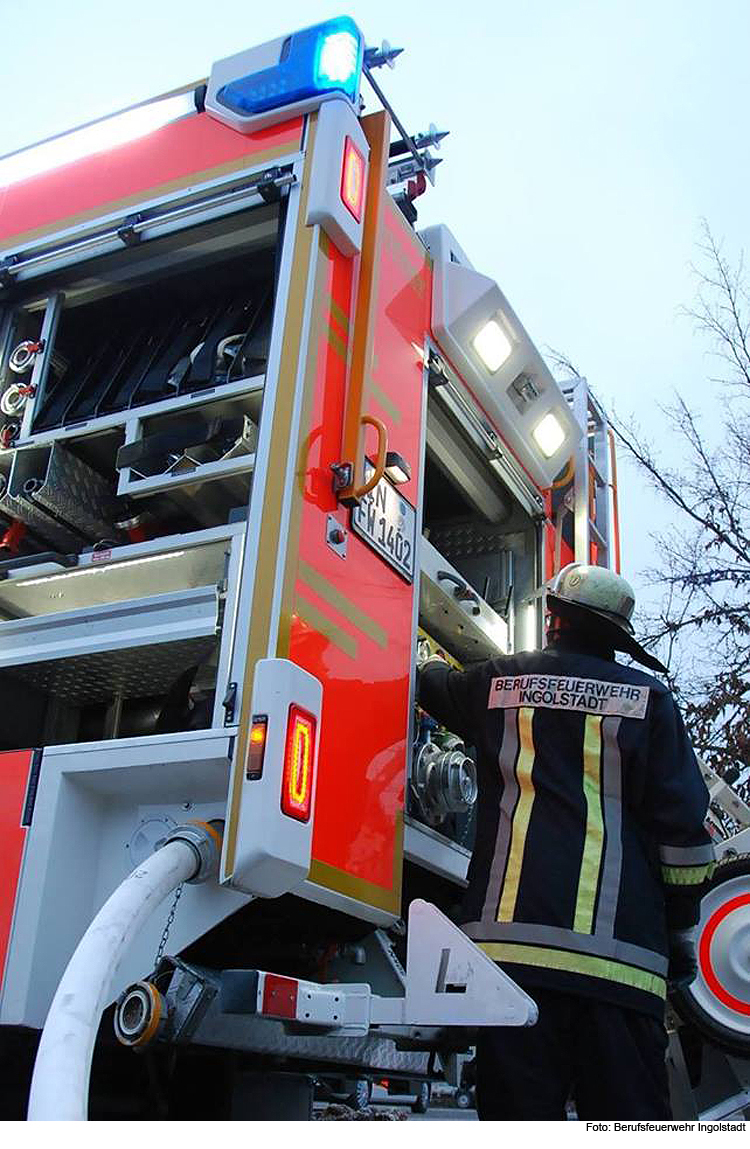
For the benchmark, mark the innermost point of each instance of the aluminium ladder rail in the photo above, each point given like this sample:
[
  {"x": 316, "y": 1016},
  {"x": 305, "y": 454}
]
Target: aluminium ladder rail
[{"x": 593, "y": 517}]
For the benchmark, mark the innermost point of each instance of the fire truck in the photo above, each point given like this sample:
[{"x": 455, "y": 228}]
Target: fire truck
[{"x": 263, "y": 442}]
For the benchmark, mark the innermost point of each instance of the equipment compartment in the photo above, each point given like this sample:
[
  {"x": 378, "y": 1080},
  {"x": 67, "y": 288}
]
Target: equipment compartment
[
  {"x": 170, "y": 454},
  {"x": 132, "y": 336},
  {"x": 479, "y": 597},
  {"x": 119, "y": 648},
  {"x": 480, "y": 554},
  {"x": 145, "y": 374}
]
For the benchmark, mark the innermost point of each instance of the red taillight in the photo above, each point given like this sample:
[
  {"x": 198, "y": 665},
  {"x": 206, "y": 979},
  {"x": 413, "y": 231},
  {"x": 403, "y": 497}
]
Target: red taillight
[
  {"x": 353, "y": 179},
  {"x": 256, "y": 746},
  {"x": 299, "y": 763}
]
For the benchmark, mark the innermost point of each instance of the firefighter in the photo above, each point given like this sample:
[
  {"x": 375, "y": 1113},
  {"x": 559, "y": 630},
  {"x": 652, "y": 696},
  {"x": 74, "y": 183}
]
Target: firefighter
[{"x": 590, "y": 855}]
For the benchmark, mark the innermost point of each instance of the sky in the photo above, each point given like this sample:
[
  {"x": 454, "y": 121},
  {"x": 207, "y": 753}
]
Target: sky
[{"x": 588, "y": 140}]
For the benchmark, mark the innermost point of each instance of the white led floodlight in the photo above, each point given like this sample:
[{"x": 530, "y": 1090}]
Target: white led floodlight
[
  {"x": 485, "y": 342},
  {"x": 549, "y": 435},
  {"x": 493, "y": 345}
]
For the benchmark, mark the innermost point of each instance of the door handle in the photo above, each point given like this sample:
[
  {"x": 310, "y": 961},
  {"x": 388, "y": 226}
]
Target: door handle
[
  {"x": 463, "y": 591},
  {"x": 359, "y": 492}
]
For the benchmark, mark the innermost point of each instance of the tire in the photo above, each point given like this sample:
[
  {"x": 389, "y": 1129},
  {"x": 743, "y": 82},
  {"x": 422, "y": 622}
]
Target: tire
[
  {"x": 422, "y": 1103},
  {"x": 717, "y": 1004},
  {"x": 463, "y": 1099},
  {"x": 359, "y": 1098}
]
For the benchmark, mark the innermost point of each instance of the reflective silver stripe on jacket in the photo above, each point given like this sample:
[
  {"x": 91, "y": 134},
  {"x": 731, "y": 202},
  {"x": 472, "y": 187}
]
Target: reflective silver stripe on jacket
[
  {"x": 609, "y": 890},
  {"x": 506, "y": 764},
  {"x": 554, "y": 936},
  {"x": 686, "y": 855}
]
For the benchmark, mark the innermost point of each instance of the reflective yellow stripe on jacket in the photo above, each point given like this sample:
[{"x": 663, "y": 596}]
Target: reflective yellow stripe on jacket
[
  {"x": 521, "y": 814},
  {"x": 588, "y": 964},
  {"x": 594, "y": 841},
  {"x": 594, "y": 833}
]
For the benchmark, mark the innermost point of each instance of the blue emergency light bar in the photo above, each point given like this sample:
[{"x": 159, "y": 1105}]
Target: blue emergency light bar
[{"x": 325, "y": 58}]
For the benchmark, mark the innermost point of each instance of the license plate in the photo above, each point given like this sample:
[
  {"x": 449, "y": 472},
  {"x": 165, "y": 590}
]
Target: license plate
[{"x": 387, "y": 523}]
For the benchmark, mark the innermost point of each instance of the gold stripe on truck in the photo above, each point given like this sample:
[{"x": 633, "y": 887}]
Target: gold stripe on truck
[
  {"x": 342, "y": 882},
  {"x": 268, "y": 540},
  {"x": 301, "y": 458},
  {"x": 330, "y": 593}
]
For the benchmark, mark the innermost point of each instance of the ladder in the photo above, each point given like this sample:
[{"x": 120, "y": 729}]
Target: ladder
[{"x": 593, "y": 499}]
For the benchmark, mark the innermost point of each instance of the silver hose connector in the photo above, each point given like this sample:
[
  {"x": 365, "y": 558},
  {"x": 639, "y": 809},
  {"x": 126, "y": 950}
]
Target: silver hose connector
[
  {"x": 205, "y": 838},
  {"x": 444, "y": 779}
]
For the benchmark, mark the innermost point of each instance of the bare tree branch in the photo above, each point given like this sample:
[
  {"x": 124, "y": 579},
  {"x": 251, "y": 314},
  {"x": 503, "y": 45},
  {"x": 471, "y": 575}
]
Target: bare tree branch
[{"x": 701, "y": 628}]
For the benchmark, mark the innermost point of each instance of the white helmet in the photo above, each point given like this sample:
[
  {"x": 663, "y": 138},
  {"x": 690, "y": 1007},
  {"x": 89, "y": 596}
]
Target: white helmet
[
  {"x": 599, "y": 589},
  {"x": 580, "y": 592}
]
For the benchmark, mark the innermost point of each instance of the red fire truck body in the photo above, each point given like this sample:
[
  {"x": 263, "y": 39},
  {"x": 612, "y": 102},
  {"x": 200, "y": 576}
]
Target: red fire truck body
[{"x": 262, "y": 440}]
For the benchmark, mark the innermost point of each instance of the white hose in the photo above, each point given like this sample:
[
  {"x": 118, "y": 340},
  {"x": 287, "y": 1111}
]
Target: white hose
[{"x": 60, "y": 1085}]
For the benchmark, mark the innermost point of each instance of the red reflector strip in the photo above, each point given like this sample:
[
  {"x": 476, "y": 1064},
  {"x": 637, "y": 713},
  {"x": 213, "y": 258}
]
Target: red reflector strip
[
  {"x": 256, "y": 747},
  {"x": 353, "y": 179},
  {"x": 704, "y": 955},
  {"x": 279, "y": 996},
  {"x": 297, "y": 783}
]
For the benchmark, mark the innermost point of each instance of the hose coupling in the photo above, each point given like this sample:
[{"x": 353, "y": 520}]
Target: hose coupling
[
  {"x": 141, "y": 1014},
  {"x": 205, "y": 839}
]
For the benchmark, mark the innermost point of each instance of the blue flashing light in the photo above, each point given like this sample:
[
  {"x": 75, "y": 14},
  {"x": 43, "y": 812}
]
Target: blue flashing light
[
  {"x": 325, "y": 58},
  {"x": 338, "y": 60}
]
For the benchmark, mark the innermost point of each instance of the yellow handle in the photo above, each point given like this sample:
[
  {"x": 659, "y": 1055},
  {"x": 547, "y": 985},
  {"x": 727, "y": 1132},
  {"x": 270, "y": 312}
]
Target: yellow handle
[{"x": 377, "y": 475}]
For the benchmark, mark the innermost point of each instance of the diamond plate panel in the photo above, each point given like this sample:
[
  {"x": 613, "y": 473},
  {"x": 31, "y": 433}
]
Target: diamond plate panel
[
  {"x": 456, "y": 539},
  {"x": 135, "y": 673},
  {"x": 68, "y": 490},
  {"x": 54, "y": 534},
  {"x": 261, "y": 1035}
]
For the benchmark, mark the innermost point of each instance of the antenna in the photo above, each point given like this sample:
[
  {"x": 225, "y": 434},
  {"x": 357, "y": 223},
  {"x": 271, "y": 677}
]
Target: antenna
[{"x": 416, "y": 148}]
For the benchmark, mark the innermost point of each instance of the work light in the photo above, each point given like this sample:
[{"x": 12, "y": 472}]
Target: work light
[
  {"x": 492, "y": 345},
  {"x": 396, "y": 468},
  {"x": 549, "y": 435}
]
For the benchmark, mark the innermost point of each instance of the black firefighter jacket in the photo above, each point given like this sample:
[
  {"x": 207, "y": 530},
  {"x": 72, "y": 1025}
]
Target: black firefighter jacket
[{"x": 590, "y": 839}]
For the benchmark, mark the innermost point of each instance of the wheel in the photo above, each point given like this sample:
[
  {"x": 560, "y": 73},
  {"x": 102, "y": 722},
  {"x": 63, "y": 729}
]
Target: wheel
[
  {"x": 463, "y": 1099},
  {"x": 717, "y": 1004},
  {"x": 422, "y": 1102},
  {"x": 359, "y": 1098}
]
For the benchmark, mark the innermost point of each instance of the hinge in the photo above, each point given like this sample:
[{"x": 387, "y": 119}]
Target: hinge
[
  {"x": 343, "y": 476},
  {"x": 271, "y": 183},
  {"x": 436, "y": 368},
  {"x": 32, "y": 787},
  {"x": 128, "y": 233},
  {"x": 229, "y": 703},
  {"x": 6, "y": 266}
]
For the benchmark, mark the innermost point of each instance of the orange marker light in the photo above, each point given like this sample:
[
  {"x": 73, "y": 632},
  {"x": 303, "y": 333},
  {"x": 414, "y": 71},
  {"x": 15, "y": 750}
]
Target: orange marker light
[
  {"x": 256, "y": 747},
  {"x": 297, "y": 782},
  {"x": 353, "y": 179}
]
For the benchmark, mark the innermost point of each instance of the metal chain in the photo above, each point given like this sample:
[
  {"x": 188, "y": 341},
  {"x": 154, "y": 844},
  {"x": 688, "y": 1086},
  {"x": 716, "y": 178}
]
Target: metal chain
[{"x": 168, "y": 925}]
